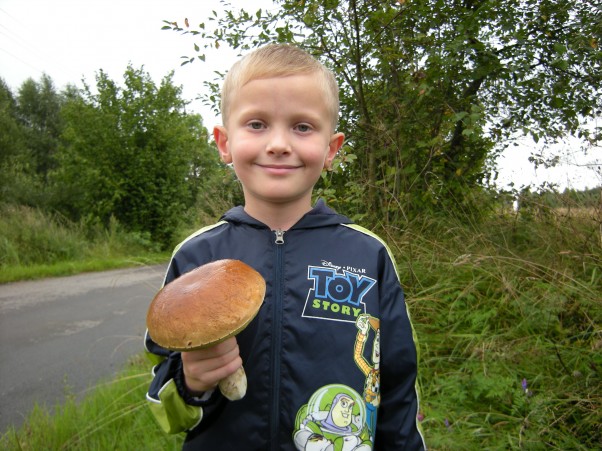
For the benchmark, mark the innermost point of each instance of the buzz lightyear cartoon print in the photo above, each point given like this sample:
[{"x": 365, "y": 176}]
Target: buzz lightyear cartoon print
[{"x": 334, "y": 419}]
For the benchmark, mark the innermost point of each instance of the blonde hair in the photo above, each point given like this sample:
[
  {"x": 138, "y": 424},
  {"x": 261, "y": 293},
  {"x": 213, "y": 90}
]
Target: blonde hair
[{"x": 279, "y": 60}]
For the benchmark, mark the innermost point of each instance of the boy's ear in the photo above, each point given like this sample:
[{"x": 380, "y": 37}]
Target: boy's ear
[
  {"x": 336, "y": 142},
  {"x": 220, "y": 134}
]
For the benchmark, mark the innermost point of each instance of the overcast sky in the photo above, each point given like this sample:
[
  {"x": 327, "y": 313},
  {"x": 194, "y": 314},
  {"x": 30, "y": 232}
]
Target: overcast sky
[
  {"x": 71, "y": 40},
  {"x": 74, "y": 39}
]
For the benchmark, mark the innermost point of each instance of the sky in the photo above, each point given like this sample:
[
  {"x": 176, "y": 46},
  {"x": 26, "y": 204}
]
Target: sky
[{"x": 71, "y": 40}]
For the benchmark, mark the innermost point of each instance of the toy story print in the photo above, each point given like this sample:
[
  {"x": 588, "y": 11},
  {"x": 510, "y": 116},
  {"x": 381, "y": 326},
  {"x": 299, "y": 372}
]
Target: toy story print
[
  {"x": 370, "y": 368},
  {"x": 334, "y": 419},
  {"x": 337, "y": 292},
  {"x": 337, "y": 417}
]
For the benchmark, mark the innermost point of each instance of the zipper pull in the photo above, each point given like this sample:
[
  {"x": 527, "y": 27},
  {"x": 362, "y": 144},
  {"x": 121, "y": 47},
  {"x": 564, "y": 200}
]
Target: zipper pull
[{"x": 279, "y": 236}]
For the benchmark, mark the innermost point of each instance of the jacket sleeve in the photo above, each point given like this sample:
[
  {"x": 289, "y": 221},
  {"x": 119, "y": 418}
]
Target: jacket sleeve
[
  {"x": 173, "y": 408},
  {"x": 397, "y": 426},
  {"x": 166, "y": 403}
]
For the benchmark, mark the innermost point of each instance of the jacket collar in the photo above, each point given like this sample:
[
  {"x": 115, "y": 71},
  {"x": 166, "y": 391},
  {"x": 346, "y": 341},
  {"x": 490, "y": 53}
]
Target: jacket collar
[{"x": 319, "y": 216}]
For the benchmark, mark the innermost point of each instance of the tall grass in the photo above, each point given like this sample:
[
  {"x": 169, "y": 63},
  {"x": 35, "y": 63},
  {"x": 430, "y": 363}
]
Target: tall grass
[
  {"x": 508, "y": 315},
  {"x": 34, "y": 243}
]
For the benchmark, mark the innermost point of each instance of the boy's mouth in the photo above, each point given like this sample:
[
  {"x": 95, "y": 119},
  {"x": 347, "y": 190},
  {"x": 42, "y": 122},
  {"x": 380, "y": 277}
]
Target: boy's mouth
[{"x": 279, "y": 168}]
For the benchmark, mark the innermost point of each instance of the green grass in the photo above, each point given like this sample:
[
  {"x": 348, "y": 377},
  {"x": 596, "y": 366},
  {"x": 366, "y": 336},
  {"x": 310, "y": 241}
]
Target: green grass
[
  {"x": 39, "y": 271},
  {"x": 34, "y": 244},
  {"x": 508, "y": 316},
  {"x": 113, "y": 416}
]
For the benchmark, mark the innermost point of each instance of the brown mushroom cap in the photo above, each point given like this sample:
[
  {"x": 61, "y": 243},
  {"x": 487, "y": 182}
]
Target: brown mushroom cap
[{"x": 205, "y": 306}]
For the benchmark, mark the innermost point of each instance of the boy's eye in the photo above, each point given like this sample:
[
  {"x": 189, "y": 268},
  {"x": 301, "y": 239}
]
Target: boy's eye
[
  {"x": 303, "y": 128},
  {"x": 255, "y": 125}
]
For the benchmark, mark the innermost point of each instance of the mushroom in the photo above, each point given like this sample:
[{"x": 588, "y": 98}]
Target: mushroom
[{"x": 204, "y": 307}]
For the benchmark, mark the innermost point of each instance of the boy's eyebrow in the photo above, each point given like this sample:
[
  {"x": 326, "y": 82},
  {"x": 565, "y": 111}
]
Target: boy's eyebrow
[{"x": 308, "y": 115}]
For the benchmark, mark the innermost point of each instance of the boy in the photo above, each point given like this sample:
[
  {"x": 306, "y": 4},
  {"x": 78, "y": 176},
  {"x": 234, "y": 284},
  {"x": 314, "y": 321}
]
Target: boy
[{"x": 317, "y": 377}]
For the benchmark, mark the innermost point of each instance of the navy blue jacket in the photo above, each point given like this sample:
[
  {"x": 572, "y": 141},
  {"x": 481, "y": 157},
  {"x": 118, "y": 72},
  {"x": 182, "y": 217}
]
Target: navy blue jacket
[{"x": 330, "y": 358}]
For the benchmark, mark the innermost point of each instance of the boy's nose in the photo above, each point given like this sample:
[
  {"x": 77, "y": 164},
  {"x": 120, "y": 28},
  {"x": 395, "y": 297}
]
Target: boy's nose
[{"x": 278, "y": 143}]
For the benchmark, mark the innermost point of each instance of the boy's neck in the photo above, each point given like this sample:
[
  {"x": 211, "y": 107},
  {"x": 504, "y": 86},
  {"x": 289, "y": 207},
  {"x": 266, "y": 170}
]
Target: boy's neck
[{"x": 278, "y": 216}]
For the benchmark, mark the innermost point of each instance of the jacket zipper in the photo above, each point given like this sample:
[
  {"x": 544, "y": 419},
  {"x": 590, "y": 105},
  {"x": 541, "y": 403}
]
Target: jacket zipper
[
  {"x": 279, "y": 236},
  {"x": 277, "y": 339}
]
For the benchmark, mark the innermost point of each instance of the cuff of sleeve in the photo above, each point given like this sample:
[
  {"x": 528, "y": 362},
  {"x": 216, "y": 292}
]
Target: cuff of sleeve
[{"x": 199, "y": 401}]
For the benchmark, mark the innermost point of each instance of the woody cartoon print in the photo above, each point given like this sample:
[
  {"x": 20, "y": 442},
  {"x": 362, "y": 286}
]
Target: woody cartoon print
[{"x": 337, "y": 417}]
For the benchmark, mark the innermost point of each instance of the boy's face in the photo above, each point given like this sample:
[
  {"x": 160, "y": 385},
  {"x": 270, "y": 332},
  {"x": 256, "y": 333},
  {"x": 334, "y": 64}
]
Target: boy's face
[{"x": 279, "y": 138}]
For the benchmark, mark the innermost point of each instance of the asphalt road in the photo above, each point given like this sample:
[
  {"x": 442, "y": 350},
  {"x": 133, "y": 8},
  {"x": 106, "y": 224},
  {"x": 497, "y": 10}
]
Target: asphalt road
[{"x": 62, "y": 336}]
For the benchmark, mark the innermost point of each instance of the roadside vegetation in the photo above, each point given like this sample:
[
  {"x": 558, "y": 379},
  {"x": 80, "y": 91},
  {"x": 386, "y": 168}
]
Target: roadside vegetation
[
  {"x": 114, "y": 416},
  {"x": 35, "y": 244},
  {"x": 508, "y": 314}
]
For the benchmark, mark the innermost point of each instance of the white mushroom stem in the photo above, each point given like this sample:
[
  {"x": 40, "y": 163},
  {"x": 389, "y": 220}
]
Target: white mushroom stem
[{"x": 234, "y": 386}]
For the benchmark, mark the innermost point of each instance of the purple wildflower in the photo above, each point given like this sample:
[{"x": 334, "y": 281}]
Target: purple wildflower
[
  {"x": 526, "y": 387},
  {"x": 447, "y": 425}
]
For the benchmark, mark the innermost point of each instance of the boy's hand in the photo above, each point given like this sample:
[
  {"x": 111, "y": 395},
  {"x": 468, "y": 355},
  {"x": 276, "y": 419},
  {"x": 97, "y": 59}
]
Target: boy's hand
[{"x": 203, "y": 369}]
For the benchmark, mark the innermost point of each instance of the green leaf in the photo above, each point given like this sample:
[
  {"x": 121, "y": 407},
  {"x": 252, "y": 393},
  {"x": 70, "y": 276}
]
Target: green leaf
[
  {"x": 560, "y": 48},
  {"x": 557, "y": 102},
  {"x": 459, "y": 116}
]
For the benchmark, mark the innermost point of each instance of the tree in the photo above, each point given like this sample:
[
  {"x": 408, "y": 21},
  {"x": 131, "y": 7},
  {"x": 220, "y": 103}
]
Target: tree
[
  {"x": 12, "y": 141},
  {"x": 31, "y": 127},
  {"x": 133, "y": 153},
  {"x": 39, "y": 106},
  {"x": 432, "y": 90}
]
